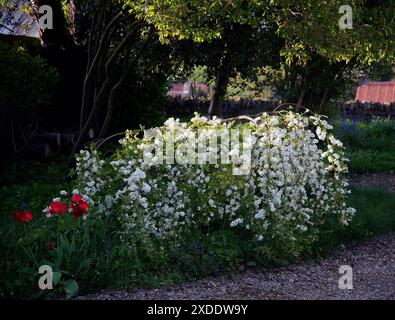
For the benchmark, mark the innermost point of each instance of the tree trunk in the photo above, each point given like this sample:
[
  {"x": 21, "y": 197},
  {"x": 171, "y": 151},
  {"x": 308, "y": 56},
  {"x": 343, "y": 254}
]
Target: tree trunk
[
  {"x": 304, "y": 86},
  {"x": 62, "y": 50},
  {"x": 221, "y": 84},
  {"x": 61, "y": 37}
]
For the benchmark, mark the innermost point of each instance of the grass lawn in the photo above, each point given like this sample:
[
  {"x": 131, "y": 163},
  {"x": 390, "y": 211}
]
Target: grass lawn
[
  {"x": 369, "y": 146},
  {"x": 375, "y": 215}
]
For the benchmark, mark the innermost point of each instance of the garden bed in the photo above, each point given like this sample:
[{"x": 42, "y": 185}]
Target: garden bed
[
  {"x": 373, "y": 264},
  {"x": 101, "y": 229}
]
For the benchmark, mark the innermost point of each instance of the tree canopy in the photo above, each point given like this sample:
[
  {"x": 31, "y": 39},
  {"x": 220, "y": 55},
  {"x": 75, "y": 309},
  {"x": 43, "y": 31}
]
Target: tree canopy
[{"x": 307, "y": 25}]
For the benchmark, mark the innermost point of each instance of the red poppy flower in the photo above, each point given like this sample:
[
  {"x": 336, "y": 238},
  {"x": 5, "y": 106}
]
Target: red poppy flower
[
  {"x": 77, "y": 211},
  {"x": 78, "y": 205},
  {"x": 76, "y": 198},
  {"x": 23, "y": 216},
  {"x": 80, "y": 208},
  {"x": 58, "y": 207},
  {"x": 83, "y": 205},
  {"x": 51, "y": 245}
]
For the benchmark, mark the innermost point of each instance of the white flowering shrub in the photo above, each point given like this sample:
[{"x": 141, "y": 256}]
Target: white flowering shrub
[{"x": 295, "y": 182}]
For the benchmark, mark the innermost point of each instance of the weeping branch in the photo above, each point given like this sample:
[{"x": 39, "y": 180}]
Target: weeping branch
[
  {"x": 92, "y": 69},
  {"x": 101, "y": 94},
  {"x": 111, "y": 99}
]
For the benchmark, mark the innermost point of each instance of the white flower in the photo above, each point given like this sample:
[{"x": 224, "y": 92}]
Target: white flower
[
  {"x": 301, "y": 228},
  {"x": 146, "y": 188},
  {"x": 260, "y": 214},
  {"x": 320, "y": 133},
  {"x": 211, "y": 203},
  {"x": 236, "y": 222}
]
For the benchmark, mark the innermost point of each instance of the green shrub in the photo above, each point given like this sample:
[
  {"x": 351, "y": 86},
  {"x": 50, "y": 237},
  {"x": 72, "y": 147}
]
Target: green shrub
[
  {"x": 272, "y": 214},
  {"x": 375, "y": 215},
  {"x": 117, "y": 242},
  {"x": 362, "y": 161},
  {"x": 26, "y": 81},
  {"x": 370, "y": 146}
]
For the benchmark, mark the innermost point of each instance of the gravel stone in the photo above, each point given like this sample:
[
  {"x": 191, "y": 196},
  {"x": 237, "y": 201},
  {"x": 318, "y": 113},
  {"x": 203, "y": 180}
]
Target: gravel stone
[{"x": 373, "y": 264}]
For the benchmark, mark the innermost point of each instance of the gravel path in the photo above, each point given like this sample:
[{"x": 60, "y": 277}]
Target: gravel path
[{"x": 373, "y": 264}]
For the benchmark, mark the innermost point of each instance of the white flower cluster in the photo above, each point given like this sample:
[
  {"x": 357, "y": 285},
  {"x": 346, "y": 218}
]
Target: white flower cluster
[
  {"x": 90, "y": 175},
  {"x": 295, "y": 182}
]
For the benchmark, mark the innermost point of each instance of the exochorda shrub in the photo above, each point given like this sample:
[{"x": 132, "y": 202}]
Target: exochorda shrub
[{"x": 294, "y": 182}]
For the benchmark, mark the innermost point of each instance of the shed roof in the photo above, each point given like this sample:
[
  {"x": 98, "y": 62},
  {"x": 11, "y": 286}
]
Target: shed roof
[
  {"x": 16, "y": 20},
  {"x": 376, "y": 92}
]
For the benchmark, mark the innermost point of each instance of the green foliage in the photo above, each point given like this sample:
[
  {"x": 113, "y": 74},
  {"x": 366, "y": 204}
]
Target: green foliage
[
  {"x": 370, "y": 146},
  {"x": 198, "y": 74},
  {"x": 81, "y": 256},
  {"x": 322, "y": 59},
  {"x": 204, "y": 18},
  {"x": 372, "y": 161},
  {"x": 375, "y": 215},
  {"x": 26, "y": 82},
  {"x": 380, "y": 71},
  {"x": 307, "y": 25},
  {"x": 261, "y": 84},
  {"x": 53, "y": 171},
  {"x": 90, "y": 257},
  {"x": 376, "y": 212},
  {"x": 140, "y": 101},
  {"x": 313, "y": 26},
  {"x": 29, "y": 186}
]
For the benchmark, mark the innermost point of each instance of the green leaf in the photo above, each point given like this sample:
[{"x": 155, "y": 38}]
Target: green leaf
[
  {"x": 71, "y": 287},
  {"x": 56, "y": 277}
]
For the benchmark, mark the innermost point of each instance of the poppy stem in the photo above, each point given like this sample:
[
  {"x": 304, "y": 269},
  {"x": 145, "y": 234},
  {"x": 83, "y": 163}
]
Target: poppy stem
[{"x": 28, "y": 250}]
